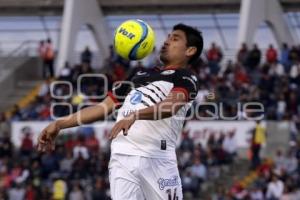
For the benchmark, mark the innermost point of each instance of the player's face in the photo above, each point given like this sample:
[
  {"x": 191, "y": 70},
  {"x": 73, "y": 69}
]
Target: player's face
[{"x": 175, "y": 50}]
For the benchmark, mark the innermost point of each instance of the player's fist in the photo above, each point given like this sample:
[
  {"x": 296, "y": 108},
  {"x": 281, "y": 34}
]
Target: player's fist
[
  {"x": 122, "y": 125},
  {"x": 46, "y": 139}
]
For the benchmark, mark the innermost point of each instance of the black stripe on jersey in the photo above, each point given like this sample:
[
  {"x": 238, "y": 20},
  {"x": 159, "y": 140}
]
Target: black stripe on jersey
[
  {"x": 147, "y": 96},
  {"x": 154, "y": 93},
  {"x": 145, "y": 103},
  {"x": 158, "y": 89}
]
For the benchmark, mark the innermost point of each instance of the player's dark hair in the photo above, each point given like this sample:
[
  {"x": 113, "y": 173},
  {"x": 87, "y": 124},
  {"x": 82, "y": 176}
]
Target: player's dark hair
[{"x": 194, "y": 39}]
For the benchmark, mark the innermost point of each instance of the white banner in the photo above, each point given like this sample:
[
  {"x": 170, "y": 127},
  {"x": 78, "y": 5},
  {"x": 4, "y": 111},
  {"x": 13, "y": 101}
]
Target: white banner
[{"x": 199, "y": 131}]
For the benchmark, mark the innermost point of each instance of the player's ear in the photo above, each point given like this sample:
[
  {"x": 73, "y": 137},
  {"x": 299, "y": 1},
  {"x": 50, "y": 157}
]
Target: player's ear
[{"x": 191, "y": 51}]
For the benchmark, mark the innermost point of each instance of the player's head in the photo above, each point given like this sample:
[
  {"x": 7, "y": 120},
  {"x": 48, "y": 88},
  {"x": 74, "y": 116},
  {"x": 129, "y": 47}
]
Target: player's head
[{"x": 183, "y": 45}]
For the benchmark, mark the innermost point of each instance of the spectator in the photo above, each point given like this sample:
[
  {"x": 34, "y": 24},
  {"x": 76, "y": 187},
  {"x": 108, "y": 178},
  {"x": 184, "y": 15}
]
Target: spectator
[
  {"x": 4, "y": 127},
  {"x": 275, "y": 188},
  {"x": 290, "y": 163},
  {"x": 92, "y": 143},
  {"x": 281, "y": 107},
  {"x": 189, "y": 184},
  {"x": 26, "y": 148},
  {"x": 214, "y": 57},
  {"x": 295, "y": 73},
  {"x": 76, "y": 193},
  {"x": 80, "y": 148},
  {"x": 243, "y": 54},
  {"x": 16, "y": 113},
  {"x": 241, "y": 75},
  {"x": 48, "y": 70},
  {"x": 6, "y": 147},
  {"x": 258, "y": 140},
  {"x": 66, "y": 163},
  {"x": 17, "y": 192},
  {"x": 230, "y": 146},
  {"x": 226, "y": 69},
  {"x": 276, "y": 69},
  {"x": 293, "y": 55},
  {"x": 49, "y": 164},
  {"x": 31, "y": 193},
  {"x": 254, "y": 58},
  {"x": 45, "y": 88},
  {"x": 79, "y": 168},
  {"x": 279, "y": 160},
  {"x": 86, "y": 56},
  {"x": 198, "y": 170},
  {"x": 187, "y": 144},
  {"x": 271, "y": 54},
  {"x": 98, "y": 191},
  {"x": 66, "y": 73},
  {"x": 59, "y": 189},
  {"x": 112, "y": 55},
  {"x": 45, "y": 193},
  {"x": 256, "y": 194},
  {"x": 284, "y": 57}
]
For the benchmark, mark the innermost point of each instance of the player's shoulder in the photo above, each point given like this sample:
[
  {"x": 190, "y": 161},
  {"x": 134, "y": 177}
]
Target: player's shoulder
[{"x": 186, "y": 73}]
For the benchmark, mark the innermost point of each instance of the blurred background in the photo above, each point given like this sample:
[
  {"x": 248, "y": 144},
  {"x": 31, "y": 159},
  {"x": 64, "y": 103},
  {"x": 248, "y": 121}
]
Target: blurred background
[{"x": 56, "y": 57}]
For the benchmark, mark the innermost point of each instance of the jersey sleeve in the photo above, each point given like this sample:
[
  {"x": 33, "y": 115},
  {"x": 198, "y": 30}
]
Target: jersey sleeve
[
  {"x": 186, "y": 82},
  {"x": 119, "y": 91}
]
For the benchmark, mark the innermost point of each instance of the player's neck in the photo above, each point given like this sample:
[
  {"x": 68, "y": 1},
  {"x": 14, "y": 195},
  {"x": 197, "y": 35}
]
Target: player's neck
[{"x": 175, "y": 65}]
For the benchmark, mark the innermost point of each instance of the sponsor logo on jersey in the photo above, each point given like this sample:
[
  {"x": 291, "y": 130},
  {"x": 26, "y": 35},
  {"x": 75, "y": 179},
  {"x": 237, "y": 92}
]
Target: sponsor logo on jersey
[
  {"x": 162, "y": 183},
  {"x": 136, "y": 98},
  {"x": 140, "y": 73},
  {"x": 168, "y": 72}
]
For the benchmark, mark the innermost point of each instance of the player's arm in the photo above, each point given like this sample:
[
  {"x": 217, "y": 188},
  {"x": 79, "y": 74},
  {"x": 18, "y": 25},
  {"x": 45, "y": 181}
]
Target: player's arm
[
  {"x": 164, "y": 109},
  {"x": 87, "y": 115},
  {"x": 84, "y": 116}
]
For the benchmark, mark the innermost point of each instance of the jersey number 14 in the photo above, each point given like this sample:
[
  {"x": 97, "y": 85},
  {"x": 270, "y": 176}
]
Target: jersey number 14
[{"x": 169, "y": 192}]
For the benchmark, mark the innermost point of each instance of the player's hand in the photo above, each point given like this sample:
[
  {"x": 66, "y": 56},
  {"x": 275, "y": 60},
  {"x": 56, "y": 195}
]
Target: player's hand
[
  {"x": 124, "y": 125},
  {"x": 46, "y": 139}
]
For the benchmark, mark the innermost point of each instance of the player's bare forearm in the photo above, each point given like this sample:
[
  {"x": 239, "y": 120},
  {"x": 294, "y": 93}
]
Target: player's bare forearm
[
  {"x": 87, "y": 115},
  {"x": 164, "y": 109},
  {"x": 46, "y": 140}
]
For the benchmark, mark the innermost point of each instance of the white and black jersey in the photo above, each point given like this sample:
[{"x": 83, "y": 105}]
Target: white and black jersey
[{"x": 152, "y": 138}]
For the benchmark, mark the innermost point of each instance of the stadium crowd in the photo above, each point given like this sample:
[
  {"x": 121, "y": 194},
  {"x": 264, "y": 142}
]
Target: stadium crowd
[
  {"x": 78, "y": 167},
  {"x": 272, "y": 78}
]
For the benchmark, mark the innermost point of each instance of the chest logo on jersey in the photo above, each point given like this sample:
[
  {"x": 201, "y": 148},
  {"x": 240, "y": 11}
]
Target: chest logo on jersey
[
  {"x": 136, "y": 98},
  {"x": 168, "y": 72},
  {"x": 168, "y": 182}
]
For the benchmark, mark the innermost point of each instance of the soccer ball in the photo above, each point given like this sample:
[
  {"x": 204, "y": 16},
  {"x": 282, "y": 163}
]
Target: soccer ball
[{"x": 134, "y": 40}]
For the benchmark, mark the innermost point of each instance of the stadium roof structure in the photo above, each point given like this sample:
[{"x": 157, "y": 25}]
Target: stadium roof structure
[{"x": 55, "y": 7}]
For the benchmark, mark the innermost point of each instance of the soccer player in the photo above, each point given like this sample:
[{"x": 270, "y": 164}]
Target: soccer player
[{"x": 152, "y": 109}]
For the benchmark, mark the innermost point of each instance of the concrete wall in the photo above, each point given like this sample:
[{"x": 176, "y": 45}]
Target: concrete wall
[
  {"x": 25, "y": 69},
  {"x": 277, "y": 138},
  {"x": 30, "y": 70}
]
